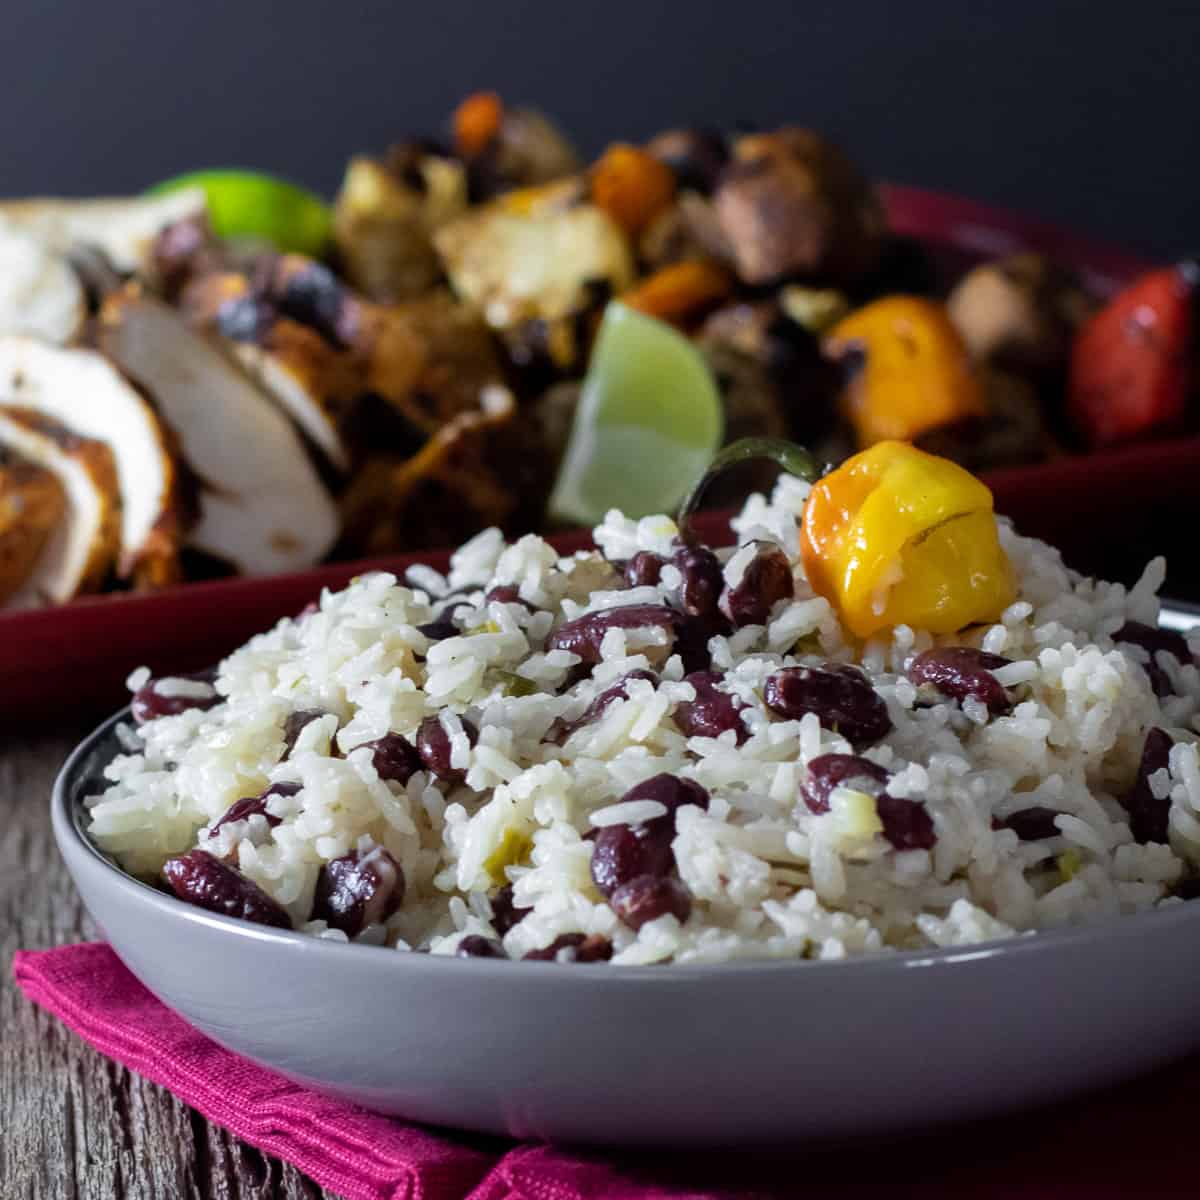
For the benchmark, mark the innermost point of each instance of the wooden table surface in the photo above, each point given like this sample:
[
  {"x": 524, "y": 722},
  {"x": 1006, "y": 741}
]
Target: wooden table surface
[{"x": 73, "y": 1124}]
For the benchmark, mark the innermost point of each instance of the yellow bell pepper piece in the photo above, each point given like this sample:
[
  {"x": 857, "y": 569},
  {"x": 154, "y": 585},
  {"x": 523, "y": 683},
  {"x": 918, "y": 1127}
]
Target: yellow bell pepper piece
[
  {"x": 917, "y": 372},
  {"x": 897, "y": 536}
]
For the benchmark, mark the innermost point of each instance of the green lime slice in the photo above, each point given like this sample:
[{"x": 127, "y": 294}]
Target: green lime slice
[
  {"x": 255, "y": 205},
  {"x": 648, "y": 422}
]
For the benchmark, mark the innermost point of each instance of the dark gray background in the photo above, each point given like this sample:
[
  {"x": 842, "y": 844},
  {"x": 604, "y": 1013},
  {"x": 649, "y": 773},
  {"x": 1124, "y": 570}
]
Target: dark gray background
[{"x": 1081, "y": 112}]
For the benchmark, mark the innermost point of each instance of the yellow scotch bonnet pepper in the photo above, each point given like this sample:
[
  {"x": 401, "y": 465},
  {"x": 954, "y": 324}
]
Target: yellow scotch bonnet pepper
[{"x": 898, "y": 536}]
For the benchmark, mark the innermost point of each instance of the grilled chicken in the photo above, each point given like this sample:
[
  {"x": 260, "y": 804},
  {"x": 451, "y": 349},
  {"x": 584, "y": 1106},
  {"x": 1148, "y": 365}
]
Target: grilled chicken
[
  {"x": 32, "y": 502},
  {"x": 82, "y": 547},
  {"x": 83, "y": 392}
]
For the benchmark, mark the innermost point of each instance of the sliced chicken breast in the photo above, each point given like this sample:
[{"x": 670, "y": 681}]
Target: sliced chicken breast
[
  {"x": 124, "y": 228},
  {"x": 39, "y": 293},
  {"x": 263, "y": 508},
  {"x": 85, "y": 392},
  {"x": 83, "y": 547},
  {"x": 32, "y": 502}
]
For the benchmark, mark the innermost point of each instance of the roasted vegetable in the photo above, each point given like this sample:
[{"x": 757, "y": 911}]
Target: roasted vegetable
[
  {"x": 681, "y": 292},
  {"x": 791, "y": 204},
  {"x": 385, "y": 216},
  {"x": 1131, "y": 365},
  {"x": 1012, "y": 430},
  {"x": 695, "y": 156},
  {"x": 897, "y": 536},
  {"x": 1020, "y": 313},
  {"x": 477, "y": 123},
  {"x": 507, "y": 147},
  {"x": 915, "y": 376},
  {"x": 773, "y": 376},
  {"x": 633, "y": 187},
  {"x": 514, "y": 267}
]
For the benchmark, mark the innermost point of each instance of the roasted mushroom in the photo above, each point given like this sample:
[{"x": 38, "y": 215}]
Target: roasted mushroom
[{"x": 790, "y": 203}]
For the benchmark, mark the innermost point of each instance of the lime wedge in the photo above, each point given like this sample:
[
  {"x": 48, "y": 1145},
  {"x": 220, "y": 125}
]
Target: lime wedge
[
  {"x": 648, "y": 423},
  {"x": 255, "y": 205}
]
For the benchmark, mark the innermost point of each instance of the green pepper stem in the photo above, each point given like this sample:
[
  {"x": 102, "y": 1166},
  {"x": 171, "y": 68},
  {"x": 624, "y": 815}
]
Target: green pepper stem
[{"x": 793, "y": 459}]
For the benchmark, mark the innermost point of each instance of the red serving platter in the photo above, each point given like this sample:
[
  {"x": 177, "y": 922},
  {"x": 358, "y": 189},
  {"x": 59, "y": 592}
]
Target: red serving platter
[{"x": 75, "y": 658}]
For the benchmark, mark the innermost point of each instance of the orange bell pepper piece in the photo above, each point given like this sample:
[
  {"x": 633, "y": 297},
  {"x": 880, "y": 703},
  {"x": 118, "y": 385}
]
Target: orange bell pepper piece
[
  {"x": 1130, "y": 362},
  {"x": 917, "y": 373},
  {"x": 680, "y": 291},
  {"x": 897, "y": 536},
  {"x": 476, "y": 122},
  {"x": 633, "y": 187}
]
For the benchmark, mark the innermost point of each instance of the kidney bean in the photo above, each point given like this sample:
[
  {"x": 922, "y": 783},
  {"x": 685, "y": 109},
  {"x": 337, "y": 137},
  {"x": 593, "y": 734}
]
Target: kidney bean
[
  {"x": 1148, "y": 816},
  {"x": 766, "y": 580},
  {"x": 962, "y": 672},
  {"x": 505, "y": 914},
  {"x": 202, "y": 879},
  {"x": 442, "y": 626},
  {"x": 1188, "y": 889},
  {"x": 1153, "y": 640},
  {"x": 394, "y": 757},
  {"x": 906, "y": 823},
  {"x": 584, "y": 635},
  {"x": 561, "y": 730},
  {"x": 624, "y": 852},
  {"x": 712, "y": 712},
  {"x": 508, "y": 593},
  {"x": 694, "y": 634},
  {"x": 358, "y": 890},
  {"x": 829, "y": 771},
  {"x": 148, "y": 703},
  {"x": 1033, "y": 824},
  {"x": 644, "y": 569},
  {"x": 251, "y": 806},
  {"x": 574, "y": 948},
  {"x": 295, "y": 724},
  {"x": 433, "y": 746},
  {"x": 841, "y": 697},
  {"x": 703, "y": 579},
  {"x": 650, "y": 896},
  {"x": 670, "y": 791},
  {"x": 476, "y": 946}
]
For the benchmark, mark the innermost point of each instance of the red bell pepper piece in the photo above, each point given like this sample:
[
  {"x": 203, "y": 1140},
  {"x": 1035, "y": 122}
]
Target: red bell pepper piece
[{"x": 1130, "y": 363}]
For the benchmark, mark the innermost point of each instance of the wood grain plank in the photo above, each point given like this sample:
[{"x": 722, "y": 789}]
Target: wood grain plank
[{"x": 75, "y": 1125}]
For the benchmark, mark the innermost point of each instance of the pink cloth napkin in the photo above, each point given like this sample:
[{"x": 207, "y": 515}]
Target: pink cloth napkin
[{"x": 1135, "y": 1140}]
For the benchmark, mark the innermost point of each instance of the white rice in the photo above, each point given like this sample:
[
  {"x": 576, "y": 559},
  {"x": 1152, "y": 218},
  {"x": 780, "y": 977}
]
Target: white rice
[{"x": 767, "y": 877}]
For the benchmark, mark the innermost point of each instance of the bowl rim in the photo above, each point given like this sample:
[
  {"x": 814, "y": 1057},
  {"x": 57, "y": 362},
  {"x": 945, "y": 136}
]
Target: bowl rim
[{"x": 69, "y": 832}]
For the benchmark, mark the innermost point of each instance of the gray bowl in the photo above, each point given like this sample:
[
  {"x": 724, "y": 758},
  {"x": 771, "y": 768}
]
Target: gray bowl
[{"x": 706, "y": 1055}]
